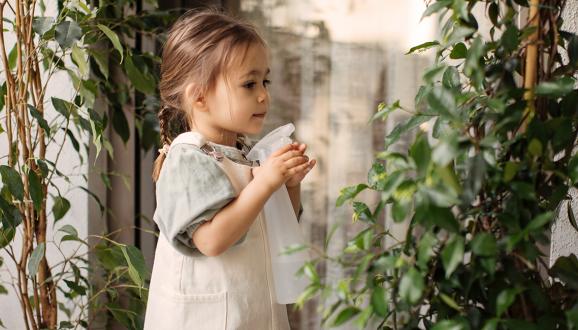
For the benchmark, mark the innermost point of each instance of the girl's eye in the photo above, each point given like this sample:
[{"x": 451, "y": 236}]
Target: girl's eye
[{"x": 250, "y": 85}]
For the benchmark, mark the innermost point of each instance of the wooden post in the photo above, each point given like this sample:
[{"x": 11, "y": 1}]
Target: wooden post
[{"x": 531, "y": 67}]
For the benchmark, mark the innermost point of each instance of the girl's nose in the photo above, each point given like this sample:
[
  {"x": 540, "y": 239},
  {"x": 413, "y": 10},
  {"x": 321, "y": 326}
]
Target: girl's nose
[{"x": 261, "y": 98}]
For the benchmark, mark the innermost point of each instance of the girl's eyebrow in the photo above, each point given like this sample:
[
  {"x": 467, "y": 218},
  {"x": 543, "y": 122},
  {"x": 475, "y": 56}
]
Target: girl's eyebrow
[{"x": 255, "y": 72}]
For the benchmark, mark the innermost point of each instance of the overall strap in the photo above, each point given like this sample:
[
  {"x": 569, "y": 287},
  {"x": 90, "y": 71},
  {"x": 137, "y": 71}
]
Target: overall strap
[{"x": 197, "y": 139}]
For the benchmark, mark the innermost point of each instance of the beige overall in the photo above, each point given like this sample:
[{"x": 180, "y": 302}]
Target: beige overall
[{"x": 231, "y": 291}]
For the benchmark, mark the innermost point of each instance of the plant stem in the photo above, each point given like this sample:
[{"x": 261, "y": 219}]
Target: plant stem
[{"x": 531, "y": 70}]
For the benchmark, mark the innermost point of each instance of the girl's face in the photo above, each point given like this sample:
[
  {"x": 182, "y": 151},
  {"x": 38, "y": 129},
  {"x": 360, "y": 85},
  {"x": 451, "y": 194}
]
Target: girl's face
[{"x": 240, "y": 103}]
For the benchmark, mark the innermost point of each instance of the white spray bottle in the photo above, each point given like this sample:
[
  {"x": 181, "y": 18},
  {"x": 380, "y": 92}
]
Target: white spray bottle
[{"x": 282, "y": 227}]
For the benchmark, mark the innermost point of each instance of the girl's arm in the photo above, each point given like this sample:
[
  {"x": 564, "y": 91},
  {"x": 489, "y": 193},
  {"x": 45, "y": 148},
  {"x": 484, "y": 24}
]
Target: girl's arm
[{"x": 233, "y": 221}]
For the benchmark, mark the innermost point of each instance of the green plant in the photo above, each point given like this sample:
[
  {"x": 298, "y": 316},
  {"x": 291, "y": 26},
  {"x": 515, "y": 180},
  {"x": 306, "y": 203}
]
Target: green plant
[
  {"x": 490, "y": 162},
  {"x": 93, "y": 47}
]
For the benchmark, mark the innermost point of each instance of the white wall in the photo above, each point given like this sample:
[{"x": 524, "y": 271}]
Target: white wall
[
  {"x": 69, "y": 163},
  {"x": 564, "y": 236}
]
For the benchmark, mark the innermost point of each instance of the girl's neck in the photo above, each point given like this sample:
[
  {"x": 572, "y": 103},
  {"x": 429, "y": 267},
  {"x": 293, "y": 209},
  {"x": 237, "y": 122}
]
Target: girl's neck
[{"x": 219, "y": 136}]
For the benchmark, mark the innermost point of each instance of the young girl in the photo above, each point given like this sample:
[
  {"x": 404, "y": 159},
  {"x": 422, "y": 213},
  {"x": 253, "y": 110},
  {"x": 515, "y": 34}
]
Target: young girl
[{"x": 212, "y": 265}]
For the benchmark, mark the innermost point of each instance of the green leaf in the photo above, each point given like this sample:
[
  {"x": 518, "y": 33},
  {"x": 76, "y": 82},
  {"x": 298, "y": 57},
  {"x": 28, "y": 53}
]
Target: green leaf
[
  {"x": 390, "y": 184},
  {"x": 491, "y": 324},
  {"x": 13, "y": 181},
  {"x": 451, "y": 78},
  {"x": 67, "y": 33},
  {"x": 446, "y": 150},
  {"x": 510, "y": 171},
  {"x": 425, "y": 249},
  {"x": 509, "y": 38},
  {"x": 535, "y": 148},
  {"x": 556, "y": 88},
  {"x": 75, "y": 288},
  {"x": 79, "y": 58},
  {"x": 349, "y": 193},
  {"x": 35, "y": 259},
  {"x": 476, "y": 173},
  {"x": 362, "y": 212},
  {"x": 494, "y": 13},
  {"x": 120, "y": 124},
  {"x": 411, "y": 286},
  {"x": 69, "y": 229},
  {"x": 345, "y": 315},
  {"x": 141, "y": 81},
  {"x": 65, "y": 108},
  {"x": 41, "y": 25},
  {"x": 435, "y": 7},
  {"x": 422, "y": 47},
  {"x": 378, "y": 301},
  {"x": 450, "y": 302},
  {"x": 400, "y": 210},
  {"x": 505, "y": 300},
  {"x": 376, "y": 176},
  {"x": 41, "y": 121},
  {"x": 453, "y": 254},
  {"x": 539, "y": 221},
  {"x": 6, "y": 236},
  {"x": 412, "y": 123},
  {"x": 441, "y": 196},
  {"x": 451, "y": 325},
  {"x": 573, "y": 169},
  {"x": 484, "y": 244},
  {"x": 36, "y": 193},
  {"x": 136, "y": 264},
  {"x": 420, "y": 151},
  {"x": 13, "y": 57},
  {"x": 310, "y": 272},
  {"x": 443, "y": 218},
  {"x": 113, "y": 37},
  {"x": 459, "y": 51},
  {"x": 565, "y": 268},
  {"x": 460, "y": 7},
  {"x": 101, "y": 59},
  {"x": 60, "y": 207},
  {"x": 572, "y": 317},
  {"x": 442, "y": 102},
  {"x": 384, "y": 110}
]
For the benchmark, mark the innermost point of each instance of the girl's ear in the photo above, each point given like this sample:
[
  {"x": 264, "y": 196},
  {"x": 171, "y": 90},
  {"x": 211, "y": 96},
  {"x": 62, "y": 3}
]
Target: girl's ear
[{"x": 196, "y": 101}]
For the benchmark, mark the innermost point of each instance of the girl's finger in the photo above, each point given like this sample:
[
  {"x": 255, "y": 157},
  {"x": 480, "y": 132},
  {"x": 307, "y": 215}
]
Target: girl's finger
[
  {"x": 282, "y": 150},
  {"x": 303, "y": 168},
  {"x": 312, "y": 163},
  {"x": 291, "y": 154},
  {"x": 295, "y": 161}
]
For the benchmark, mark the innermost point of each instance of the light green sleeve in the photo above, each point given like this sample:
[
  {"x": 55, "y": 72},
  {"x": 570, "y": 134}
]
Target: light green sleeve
[{"x": 190, "y": 190}]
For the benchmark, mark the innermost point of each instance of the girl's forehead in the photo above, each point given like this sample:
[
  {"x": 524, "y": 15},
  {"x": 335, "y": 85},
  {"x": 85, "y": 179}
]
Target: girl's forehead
[{"x": 252, "y": 60}]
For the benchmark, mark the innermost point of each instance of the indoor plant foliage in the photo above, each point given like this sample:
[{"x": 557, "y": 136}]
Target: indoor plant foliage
[
  {"x": 90, "y": 45},
  {"x": 490, "y": 163}
]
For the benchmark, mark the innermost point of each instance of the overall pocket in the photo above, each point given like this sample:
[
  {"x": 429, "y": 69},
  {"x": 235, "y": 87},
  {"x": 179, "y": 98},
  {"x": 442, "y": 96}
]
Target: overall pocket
[{"x": 167, "y": 310}]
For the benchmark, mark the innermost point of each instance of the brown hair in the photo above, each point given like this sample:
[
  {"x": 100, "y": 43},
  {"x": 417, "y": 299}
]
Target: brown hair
[{"x": 198, "y": 49}]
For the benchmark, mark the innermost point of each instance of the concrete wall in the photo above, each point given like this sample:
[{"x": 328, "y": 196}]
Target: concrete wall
[{"x": 564, "y": 236}]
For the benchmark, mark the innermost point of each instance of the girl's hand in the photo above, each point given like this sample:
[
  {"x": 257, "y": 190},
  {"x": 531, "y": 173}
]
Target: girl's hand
[
  {"x": 283, "y": 164},
  {"x": 296, "y": 179}
]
